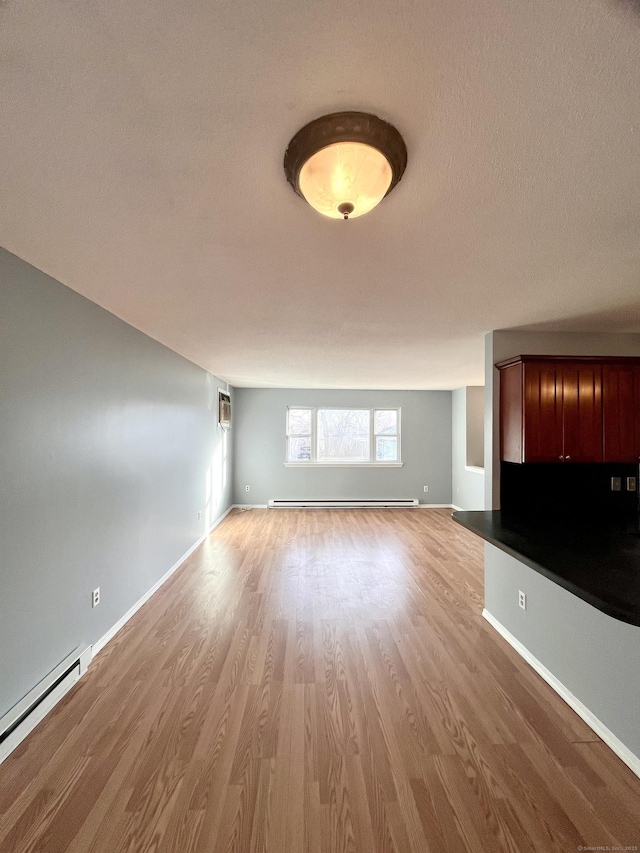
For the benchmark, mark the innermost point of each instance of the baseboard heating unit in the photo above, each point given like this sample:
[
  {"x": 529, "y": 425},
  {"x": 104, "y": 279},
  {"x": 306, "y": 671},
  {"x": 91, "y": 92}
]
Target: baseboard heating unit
[
  {"x": 16, "y": 724},
  {"x": 335, "y": 504}
]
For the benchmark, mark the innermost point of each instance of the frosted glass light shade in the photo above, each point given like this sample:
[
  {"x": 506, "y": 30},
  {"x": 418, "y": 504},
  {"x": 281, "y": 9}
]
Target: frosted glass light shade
[
  {"x": 343, "y": 164},
  {"x": 345, "y": 173}
]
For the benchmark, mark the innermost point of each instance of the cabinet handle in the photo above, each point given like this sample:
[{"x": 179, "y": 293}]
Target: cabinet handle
[{"x": 560, "y": 457}]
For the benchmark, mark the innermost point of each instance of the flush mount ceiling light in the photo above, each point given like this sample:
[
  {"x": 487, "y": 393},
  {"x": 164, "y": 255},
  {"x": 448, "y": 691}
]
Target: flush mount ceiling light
[{"x": 344, "y": 164}]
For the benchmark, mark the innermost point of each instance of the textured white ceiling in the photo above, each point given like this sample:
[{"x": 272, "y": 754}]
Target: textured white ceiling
[{"x": 141, "y": 149}]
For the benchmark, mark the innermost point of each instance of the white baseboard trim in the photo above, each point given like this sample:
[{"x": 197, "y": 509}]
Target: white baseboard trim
[
  {"x": 435, "y": 506},
  {"x": 102, "y": 642},
  {"x": 215, "y": 523},
  {"x": 420, "y": 506},
  {"x": 456, "y": 508},
  {"x": 249, "y": 506},
  {"x": 624, "y": 753}
]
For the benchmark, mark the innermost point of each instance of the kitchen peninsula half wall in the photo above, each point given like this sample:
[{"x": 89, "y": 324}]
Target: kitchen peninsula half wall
[{"x": 589, "y": 656}]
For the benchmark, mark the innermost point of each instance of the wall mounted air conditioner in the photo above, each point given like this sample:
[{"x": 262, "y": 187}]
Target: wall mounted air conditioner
[{"x": 224, "y": 410}]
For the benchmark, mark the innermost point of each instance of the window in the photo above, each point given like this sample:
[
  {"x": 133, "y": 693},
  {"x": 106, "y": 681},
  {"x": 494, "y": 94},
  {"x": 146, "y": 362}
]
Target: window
[
  {"x": 343, "y": 436},
  {"x": 299, "y": 435}
]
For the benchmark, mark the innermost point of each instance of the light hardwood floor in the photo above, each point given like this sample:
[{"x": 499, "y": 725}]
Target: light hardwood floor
[{"x": 310, "y": 682}]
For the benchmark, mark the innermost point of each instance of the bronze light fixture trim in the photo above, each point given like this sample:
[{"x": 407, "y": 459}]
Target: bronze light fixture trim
[{"x": 344, "y": 164}]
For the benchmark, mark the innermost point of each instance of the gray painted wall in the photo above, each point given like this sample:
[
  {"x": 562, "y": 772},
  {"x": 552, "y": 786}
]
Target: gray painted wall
[
  {"x": 260, "y": 448},
  {"x": 475, "y": 425},
  {"x": 467, "y": 485},
  {"x": 593, "y": 655},
  {"x": 107, "y": 441}
]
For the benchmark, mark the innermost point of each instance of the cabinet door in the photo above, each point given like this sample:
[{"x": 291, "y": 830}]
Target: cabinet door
[
  {"x": 542, "y": 412},
  {"x": 621, "y": 421},
  {"x": 582, "y": 412},
  {"x": 511, "y": 413},
  {"x": 636, "y": 376}
]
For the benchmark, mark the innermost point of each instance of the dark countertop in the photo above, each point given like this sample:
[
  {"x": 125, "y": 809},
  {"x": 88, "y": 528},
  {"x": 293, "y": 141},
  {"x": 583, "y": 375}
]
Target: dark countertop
[{"x": 595, "y": 559}]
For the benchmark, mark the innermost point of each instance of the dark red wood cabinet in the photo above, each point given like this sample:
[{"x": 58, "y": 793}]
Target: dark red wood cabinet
[
  {"x": 550, "y": 410},
  {"x": 542, "y": 413},
  {"x": 582, "y": 412},
  {"x": 621, "y": 407},
  {"x": 569, "y": 409},
  {"x": 636, "y": 375}
]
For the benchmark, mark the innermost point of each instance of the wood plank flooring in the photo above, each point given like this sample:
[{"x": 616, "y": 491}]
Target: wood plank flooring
[{"x": 316, "y": 682}]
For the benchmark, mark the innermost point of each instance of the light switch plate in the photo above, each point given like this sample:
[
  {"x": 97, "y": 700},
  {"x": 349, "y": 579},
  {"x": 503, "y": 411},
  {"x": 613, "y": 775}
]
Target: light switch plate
[
  {"x": 632, "y": 484},
  {"x": 616, "y": 484}
]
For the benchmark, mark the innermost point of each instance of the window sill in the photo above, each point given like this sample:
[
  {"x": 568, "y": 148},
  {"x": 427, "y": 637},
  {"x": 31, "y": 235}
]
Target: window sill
[
  {"x": 474, "y": 469},
  {"x": 343, "y": 464}
]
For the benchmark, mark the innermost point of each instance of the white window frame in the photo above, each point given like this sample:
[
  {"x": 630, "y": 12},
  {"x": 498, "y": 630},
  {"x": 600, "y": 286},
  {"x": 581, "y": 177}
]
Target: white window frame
[{"x": 314, "y": 463}]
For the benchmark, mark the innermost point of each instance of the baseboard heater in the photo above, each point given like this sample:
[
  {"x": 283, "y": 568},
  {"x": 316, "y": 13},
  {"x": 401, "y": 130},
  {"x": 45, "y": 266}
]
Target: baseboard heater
[
  {"x": 349, "y": 504},
  {"x": 16, "y": 724}
]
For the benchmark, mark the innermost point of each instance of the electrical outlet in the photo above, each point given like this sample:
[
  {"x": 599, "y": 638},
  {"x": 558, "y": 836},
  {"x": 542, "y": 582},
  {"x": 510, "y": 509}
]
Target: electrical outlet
[
  {"x": 247, "y": 488},
  {"x": 95, "y": 597},
  {"x": 616, "y": 484},
  {"x": 632, "y": 484},
  {"x": 426, "y": 488},
  {"x": 199, "y": 515},
  {"x": 522, "y": 600}
]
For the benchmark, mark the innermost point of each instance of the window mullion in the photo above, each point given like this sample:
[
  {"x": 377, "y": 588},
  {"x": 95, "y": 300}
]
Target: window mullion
[
  {"x": 288, "y": 447},
  {"x": 314, "y": 435},
  {"x": 372, "y": 438}
]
